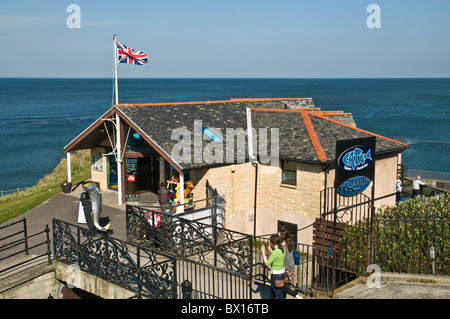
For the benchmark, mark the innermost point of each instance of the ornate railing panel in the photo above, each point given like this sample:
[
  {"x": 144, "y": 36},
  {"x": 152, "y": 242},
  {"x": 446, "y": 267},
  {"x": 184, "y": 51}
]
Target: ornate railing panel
[
  {"x": 190, "y": 239},
  {"x": 146, "y": 272}
]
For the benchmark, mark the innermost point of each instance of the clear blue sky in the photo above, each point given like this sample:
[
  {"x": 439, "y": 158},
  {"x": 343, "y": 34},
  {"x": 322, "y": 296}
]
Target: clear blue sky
[{"x": 227, "y": 38}]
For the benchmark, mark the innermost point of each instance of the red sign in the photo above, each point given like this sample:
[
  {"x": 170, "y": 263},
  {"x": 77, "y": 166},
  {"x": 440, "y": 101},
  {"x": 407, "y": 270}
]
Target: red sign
[
  {"x": 157, "y": 219},
  {"x": 132, "y": 178}
]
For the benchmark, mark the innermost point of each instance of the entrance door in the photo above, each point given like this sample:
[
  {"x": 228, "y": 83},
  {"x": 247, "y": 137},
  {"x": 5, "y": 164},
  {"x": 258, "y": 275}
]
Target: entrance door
[{"x": 147, "y": 178}]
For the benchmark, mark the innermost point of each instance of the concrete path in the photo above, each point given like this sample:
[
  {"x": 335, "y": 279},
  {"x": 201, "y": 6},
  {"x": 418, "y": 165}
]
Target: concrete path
[
  {"x": 399, "y": 286},
  {"x": 65, "y": 207}
]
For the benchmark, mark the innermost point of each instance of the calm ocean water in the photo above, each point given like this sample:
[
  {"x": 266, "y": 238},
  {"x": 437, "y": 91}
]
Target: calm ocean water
[{"x": 38, "y": 117}]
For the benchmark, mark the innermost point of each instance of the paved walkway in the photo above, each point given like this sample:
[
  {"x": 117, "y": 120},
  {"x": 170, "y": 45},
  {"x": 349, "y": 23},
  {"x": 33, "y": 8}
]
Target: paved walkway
[
  {"x": 399, "y": 286},
  {"x": 65, "y": 207}
]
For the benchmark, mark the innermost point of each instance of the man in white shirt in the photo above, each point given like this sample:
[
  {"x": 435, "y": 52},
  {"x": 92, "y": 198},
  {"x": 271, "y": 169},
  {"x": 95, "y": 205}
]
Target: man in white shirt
[
  {"x": 416, "y": 186},
  {"x": 399, "y": 188}
]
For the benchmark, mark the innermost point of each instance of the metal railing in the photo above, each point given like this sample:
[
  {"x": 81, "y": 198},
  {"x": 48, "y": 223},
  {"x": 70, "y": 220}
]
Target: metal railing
[
  {"x": 414, "y": 243},
  {"x": 142, "y": 270},
  {"x": 312, "y": 272},
  {"x": 12, "y": 191},
  {"x": 440, "y": 176},
  {"x": 11, "y": 246},
  {"x": 186, "y": 238},
  {"x": 145, "y": 272}
]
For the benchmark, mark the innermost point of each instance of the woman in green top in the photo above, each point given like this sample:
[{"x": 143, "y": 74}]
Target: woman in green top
[{"x": 276, "y": 264}]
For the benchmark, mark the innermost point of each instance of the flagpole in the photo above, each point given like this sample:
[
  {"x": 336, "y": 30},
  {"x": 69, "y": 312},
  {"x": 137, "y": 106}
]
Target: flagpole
[
  {"x": 116, "y": 87},
  {"x": 118, "y": 141}
]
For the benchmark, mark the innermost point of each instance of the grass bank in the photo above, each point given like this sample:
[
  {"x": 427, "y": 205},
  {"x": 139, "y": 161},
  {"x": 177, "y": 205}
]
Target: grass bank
[{"x": 21, "y": 202}]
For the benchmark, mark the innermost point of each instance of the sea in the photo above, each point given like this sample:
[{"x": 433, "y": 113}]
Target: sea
[{"x": 39, "y": 116}]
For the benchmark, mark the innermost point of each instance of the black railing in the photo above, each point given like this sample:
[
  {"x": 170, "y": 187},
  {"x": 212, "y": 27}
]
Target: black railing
[
  {"x": 410, "y": 238},
  {"x": 210, "y": 282},
  {"x": 142, "y": 270},
  {"x": 311, "y": 274},
  {"x": 206, "y": 243},
  {"x": 11, "y": 247},
  {"x": 414, "y": 243},
  {"x": 145, "y": 272}
]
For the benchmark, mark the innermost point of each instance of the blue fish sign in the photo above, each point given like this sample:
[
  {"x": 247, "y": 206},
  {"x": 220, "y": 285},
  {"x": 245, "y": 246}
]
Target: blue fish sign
[
  {"x": 356, "y": 158},
  {"x": 354, "y": 185}
]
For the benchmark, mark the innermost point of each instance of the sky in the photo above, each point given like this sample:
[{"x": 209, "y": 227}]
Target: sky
[{"x": 227, "y": 38}]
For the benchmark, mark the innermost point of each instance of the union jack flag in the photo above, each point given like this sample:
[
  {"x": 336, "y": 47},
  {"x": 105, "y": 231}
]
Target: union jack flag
[{"x": 130, "y": 56}]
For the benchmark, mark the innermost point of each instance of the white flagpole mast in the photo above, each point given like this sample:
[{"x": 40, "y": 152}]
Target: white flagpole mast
[
  {"x": 118, "y": 142},
  {"x": 116, "y": 87}
]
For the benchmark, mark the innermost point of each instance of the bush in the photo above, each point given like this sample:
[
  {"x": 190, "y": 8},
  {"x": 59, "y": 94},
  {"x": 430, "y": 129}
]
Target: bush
[{"x": 404, "y": 238}]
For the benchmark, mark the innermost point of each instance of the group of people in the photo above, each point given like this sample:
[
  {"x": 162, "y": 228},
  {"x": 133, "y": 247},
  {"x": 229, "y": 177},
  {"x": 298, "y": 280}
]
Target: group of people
[
  {"x": 282, "y": 265},
  {"x": 415, "y": 188}
]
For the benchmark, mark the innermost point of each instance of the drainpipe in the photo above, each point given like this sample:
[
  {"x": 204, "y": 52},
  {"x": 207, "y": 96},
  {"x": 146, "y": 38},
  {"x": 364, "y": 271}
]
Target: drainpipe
[
  {"x": 326, "y": 170},
  {"x": 253, "y": 159},
  {"x": 255, "y": 165}
]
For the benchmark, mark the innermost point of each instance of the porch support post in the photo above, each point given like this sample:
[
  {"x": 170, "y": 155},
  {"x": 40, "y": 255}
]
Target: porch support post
[
  {"x": 182, "y": 188},
  {"x": 69, "y": 168},
  {"x": 119, "y": 161}
]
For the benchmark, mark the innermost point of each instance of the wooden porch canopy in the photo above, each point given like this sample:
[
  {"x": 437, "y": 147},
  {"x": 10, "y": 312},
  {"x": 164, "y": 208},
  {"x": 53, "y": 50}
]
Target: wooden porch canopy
[{"x": 113, "y": 121}]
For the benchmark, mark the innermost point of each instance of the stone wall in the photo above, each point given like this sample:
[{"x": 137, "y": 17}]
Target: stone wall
[
  {"x": 297, "y": 204},
  {"x": 32, "y": 285}
]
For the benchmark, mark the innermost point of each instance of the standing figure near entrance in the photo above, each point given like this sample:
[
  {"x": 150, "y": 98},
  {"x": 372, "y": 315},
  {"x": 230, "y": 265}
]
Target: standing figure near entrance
[{"x": 163, "y": 195}]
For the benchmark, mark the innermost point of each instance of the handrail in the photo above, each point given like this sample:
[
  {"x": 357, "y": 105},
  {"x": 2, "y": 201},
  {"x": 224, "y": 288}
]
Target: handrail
[{"x": 25, "y": 240}]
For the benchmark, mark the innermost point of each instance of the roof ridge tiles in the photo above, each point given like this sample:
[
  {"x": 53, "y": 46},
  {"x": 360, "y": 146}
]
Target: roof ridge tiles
[
  {"x": 313, "y": 136},
  {"x": 212, "y": 102},
  {"x": 358, "y": 129}
]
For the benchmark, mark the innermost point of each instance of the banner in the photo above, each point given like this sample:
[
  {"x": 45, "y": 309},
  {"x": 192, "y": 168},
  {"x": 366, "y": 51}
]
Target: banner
[{"x": 355, "y": 165}]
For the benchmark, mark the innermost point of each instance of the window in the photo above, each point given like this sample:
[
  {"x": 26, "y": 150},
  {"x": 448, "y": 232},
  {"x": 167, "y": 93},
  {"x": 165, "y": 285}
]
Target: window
[
  {"x": 212, "y": 134},
  {"x": 291, "y": 228},
  {"x": 288, "y": 172}
]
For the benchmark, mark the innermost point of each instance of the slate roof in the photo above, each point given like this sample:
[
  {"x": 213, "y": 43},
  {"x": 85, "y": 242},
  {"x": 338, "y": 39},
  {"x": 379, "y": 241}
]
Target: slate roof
[
  {"x": 316, "y": 143},
  {"x": 305, "y": 132}
]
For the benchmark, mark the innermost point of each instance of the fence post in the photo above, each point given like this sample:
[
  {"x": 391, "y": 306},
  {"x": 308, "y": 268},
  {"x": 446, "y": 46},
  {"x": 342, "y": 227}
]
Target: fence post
[
  {"x": 47, "y": 230},
  {"x": 78, "y": 245},
  {"x": 186, "y": 289},
  {"x": 139, "y": 275},
  {"x": 25, "y": 235},
  {"x": 251, "y": 266},
  {"x": 175, "y": 278}
]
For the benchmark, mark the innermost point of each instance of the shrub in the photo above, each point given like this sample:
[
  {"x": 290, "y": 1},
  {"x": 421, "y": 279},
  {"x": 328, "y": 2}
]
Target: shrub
[{"x": 413, "y": 237}]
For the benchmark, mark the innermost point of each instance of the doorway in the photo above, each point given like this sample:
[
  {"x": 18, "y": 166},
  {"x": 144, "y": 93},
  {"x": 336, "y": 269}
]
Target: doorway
[{"x": 142, "y": 178}]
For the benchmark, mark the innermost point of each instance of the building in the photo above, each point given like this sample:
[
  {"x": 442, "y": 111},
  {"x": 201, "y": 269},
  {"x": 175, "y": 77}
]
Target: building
[{"x": 285, "y": 148}]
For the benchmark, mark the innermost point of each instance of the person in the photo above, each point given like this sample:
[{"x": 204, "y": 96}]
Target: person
[
  {"x": 399, "y": 189},
  {"x": 163, "y": 195},
  {"x": 416, "y": 186},
  {"x": 276, "y": 264},
  {"x": 289, "y": 263}
]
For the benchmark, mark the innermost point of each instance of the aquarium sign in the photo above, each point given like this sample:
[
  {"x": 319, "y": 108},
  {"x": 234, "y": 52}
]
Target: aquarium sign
[
  {"x": 353, "y": 186},
  {"x": 355, "y": 157}
]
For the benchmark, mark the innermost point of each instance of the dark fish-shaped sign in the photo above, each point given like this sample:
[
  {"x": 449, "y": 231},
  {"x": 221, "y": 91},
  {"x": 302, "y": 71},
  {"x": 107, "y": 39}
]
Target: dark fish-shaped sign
[{"x": 356, "y": 158}]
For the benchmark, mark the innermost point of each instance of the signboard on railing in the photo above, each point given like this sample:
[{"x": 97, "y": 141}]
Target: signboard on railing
[{"x": 355, "y": 165}]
